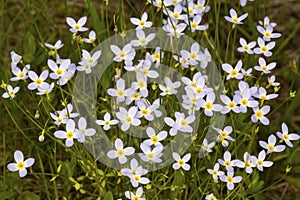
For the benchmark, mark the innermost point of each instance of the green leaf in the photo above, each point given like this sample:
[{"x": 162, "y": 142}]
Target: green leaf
[
  {"x": 98, "y": 24},
  {"x": 30, "y": 196},
  {"x": 109, "y": 196}
]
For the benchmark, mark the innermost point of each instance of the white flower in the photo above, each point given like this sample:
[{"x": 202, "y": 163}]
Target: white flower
[
  {"x": 120, "y": 151},
  {"x": 170, "y": 87},
  {"x": 244, "y": 2},
  {"x": 271, "y": 145},
  {"x": 210, "y": 196},
  {"x": 224, "y": 135},
  {"x": 147, "y": 111},
  {"x": 181, "y": 162},
  {"x": 262, "y": 94},
  {"x": 259, "y": 115},
  {"x": 92, "y": 37},
  {"x": 195, "y": 24},
  {"x": 181, "y": 123},
  {"x": 120, "y": 92},
  {"x": 59, "y": 118},
  {"x": 260, "y": 163},
  {"x": 107, "y": 122},
  {"x": 215, "y": 172},
  {"x": 227, "y": 162},
  {"x": 11, "y": 92},
  {"x": 61, "y": 71},
  {"x": 127, "y": 53},
  {"x": 77, "y": 26},
  {"x": 91, "y": 60},
  {"x": 141, "y": 23},
  {"x": 134, "y": 168},
  {"x": 264, "y": 67},
  {"x": 271, "y": 81},
  {"x": 142, "y": 39},
  {"x": 245, "y": 100},
  {"x": 70, "y": 133},
  {"x": 83, "y": 130},
  {"x": 249, "y": 163},
  {"x": 58, "y": 44},
  {"x": 151, "y": 154},
  {"x": 246, "y": 47},
  {"x": 286, "y": 136},
  {"x": 233, "y": 72},
  {"x": 230, "y": 179},
  {"x": 209, "y": 105},
  {"x": 137, "y": 196},
  {"x": 155, "y": 138},
  {"x": 195, "y": 55},
  {"x": 47, "y": 89},
  {"x": 128, "y": 118},
  {"x": 234, "y": 18},
  {"x": 20, "y": 74},
  {"x": 268, "y": 32},
  {"x": 136, "y": 178},
  {"x": 207, "y": 147},
  {"x": 176, "y": 14},
  {"x": 20, "y": 165},
  {"x": 264, "y": 48},
  {"x": 229, "y": 105},
  {"x": 15, "y": 59},
  {"x": 38, "y": 81}
]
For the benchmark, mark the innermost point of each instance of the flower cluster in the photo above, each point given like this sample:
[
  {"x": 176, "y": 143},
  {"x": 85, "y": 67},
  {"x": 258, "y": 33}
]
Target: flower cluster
[{"x": 136, "y": 106}]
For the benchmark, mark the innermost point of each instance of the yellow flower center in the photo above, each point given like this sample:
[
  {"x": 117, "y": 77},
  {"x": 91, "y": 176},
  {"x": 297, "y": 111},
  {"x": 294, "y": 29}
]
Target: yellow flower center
[
  {"x": 235, "y": 19},
  {"x": 229, "y": 179},
  {"x": 227, "y": 163},
  {"x": 120, "y": 152},
  {"x": 271, "y": 147},
  {"x": 11, "y": 93},
  {"x": 181, "y": 162},
  {"x": 247, "y": 164},
  {"x": 264, "y": 68},
  {"x": 77, "y": 27},
  {"x": 244, "y": 102},
  {"x": 145, "y": 72},
  {"x": 258, "y": 114},
  {"x": 267, "y": 34},
  {"x": 137, "y": 178},
  {"x": 143, "y": 41},
  {"x": 141, "y": 84},
  {"x": 38, "y": 81},
  {"x": 144, "y": 111},
  {"x": 128, "y": 119},
  {"x": 183, "y": 123},
  {"x": 208, "y": 106},
  {"x": 246, "y": 48},
  {"x": 193, "y": 83},
  {"x": 142, "y": 23},
  {"x": 231, "y": 105},
  {"x": 223, "y": 134},
  {"x": 198, "y": 90},
  {"x": 286, "y": 136},
  {"x": 193, "y": 56},
  {"x": 150, "y": 155},
  {"x": 59, "y": 72},
  {"x": 21, "y": 75},
  {"x": 154, "y": 139},
  {"x": 20, "y": 165},
  {"x": 106, "y": 122},
  {"x": 194, "y": 25},
  {"x": 156, "y": 56},
  {"x": 176, "y": 15},
  {"x": 122, "y": 54},
  {"x": 234, "y": 72},
  {"x": 120, "y": 93},
  {"x": 260, "y": 162},
  {"x": 264, "y": 49},
  {"x": 70, "y": 135}
]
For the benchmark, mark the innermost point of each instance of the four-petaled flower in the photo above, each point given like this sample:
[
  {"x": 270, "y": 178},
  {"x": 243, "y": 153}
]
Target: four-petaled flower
[
  {"x": 20, "y": 164},
  {"x": 120, "y": 151}
]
